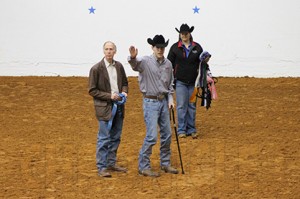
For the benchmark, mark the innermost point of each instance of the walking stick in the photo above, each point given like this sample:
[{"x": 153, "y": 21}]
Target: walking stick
[{"x": 174, "y": 123}]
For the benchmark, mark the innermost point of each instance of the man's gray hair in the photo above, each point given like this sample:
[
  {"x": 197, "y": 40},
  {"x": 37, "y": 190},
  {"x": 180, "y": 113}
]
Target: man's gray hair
[{"x": 114, "y": 45}]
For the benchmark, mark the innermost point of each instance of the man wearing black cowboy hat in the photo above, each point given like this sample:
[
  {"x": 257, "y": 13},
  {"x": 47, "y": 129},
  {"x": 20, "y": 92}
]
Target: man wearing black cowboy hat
[
  {"x": 184, "y": 56},
  {"x": 155, "y": 80}
]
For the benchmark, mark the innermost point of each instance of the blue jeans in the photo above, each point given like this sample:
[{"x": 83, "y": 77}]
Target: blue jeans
[
  {"x": 156, "y": 113},
  {"x": 186, "y": 111},
  {"x": 108, "y": 141}
]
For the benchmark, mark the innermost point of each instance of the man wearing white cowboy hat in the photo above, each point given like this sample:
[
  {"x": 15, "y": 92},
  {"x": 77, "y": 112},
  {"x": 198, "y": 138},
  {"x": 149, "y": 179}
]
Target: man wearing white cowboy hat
[
  {"x": 155, "y": 80},
  {"x": 184, "y": 56}
]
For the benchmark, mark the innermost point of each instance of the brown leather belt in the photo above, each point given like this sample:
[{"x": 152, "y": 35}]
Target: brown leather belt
[{"x": 159, "y": 97}]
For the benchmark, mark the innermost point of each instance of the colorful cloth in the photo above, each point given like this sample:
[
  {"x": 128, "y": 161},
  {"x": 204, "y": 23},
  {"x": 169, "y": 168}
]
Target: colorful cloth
[
  {"x": 203, "y": 71},
  {"x": 205, "y": 81},
  {"x": 212, "y": 88}
]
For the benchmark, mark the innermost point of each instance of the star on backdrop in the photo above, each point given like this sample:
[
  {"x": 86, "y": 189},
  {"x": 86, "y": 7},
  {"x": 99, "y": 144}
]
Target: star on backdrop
[
  {"x": 92, "y": 10},
  {"x": 196, "y": 10}
]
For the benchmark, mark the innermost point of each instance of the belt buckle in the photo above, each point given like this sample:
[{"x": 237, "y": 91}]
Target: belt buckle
[{"x": 160, "y": 97}]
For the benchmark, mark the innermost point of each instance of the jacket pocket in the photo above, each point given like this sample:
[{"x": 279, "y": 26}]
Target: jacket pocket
[
  {"x": 103, "y": 109},
  {"x": 100, "y": 102}
]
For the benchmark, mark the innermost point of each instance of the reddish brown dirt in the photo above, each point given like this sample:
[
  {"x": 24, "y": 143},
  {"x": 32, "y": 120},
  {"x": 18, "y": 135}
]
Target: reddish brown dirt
[{"x": 249, "y": 145}]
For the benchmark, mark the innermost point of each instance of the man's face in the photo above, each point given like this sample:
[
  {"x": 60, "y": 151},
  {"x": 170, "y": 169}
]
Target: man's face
[
  {"x": 109, "y": 51},
  {"x": 158, "y": 52}
]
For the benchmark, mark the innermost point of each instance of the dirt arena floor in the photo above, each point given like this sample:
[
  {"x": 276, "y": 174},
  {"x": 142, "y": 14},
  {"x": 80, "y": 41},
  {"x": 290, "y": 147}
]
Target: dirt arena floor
[{"x": 249, "y": 145}]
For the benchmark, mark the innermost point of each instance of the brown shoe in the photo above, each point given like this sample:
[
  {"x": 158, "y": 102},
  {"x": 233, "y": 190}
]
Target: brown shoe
[
  {"x": 104, "y": 173},
  {"x": 169, "y": 169},
  {"x": 182, "y": 135},
  {"x": 117, "y": 168},
  {"x": 195, "y": 135},
  {"x": 149, "y": 172}
]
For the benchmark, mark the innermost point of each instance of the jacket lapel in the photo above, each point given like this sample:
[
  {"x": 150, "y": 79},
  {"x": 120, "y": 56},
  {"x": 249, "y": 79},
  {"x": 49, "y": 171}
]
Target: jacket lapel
[{"x": 103, "y": 70}]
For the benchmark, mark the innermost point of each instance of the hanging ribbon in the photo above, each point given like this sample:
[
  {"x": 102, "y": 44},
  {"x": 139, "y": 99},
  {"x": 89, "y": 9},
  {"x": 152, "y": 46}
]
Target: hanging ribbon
[
  {"x": 115, "y": 108},
  {"x": 201, "y": 80}
]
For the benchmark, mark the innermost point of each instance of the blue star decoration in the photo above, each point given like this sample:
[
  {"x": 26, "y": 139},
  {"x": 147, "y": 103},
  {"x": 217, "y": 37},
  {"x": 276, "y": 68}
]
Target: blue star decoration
[
  {"x": 196, "y": 10},
  {"x": 92, "y": 10}
]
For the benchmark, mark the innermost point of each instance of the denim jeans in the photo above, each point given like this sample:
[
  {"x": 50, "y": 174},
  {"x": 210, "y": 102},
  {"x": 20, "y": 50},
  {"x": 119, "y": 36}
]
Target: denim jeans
[
  {"x": 156, "y": 114},
  {"x": 186, "y": 111},
  {"x": 108, "y": 141}
]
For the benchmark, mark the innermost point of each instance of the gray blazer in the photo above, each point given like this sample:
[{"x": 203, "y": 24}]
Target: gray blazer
[{"x": 100, "y": 90}]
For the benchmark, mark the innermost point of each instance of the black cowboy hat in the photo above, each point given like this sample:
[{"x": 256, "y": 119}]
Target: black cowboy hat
[
  {"x": 158, "y": 41},
  {"x": 185, "y": 28}
]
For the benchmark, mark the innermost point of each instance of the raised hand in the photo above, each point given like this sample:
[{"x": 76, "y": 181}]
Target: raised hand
[{"x": 133, "y": 52}]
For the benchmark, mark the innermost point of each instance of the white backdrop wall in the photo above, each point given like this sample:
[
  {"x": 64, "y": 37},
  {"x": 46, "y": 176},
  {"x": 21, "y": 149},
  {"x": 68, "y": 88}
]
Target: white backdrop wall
[{"x": 61, "y": 37}]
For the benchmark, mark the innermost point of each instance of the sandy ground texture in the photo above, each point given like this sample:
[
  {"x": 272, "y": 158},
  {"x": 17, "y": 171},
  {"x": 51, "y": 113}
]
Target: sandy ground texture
[{"x": 249, "y": 145}]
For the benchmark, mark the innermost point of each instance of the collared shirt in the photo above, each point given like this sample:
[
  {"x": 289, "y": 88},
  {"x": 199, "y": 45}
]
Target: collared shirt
[
  {"x": 112, "y": 73},
  {"x": 155, "y": 78},
  {"x": 187, "y": 49}
]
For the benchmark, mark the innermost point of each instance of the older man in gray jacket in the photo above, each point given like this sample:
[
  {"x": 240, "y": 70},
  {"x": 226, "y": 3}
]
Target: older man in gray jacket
[{"x": 108, "y": 85}]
